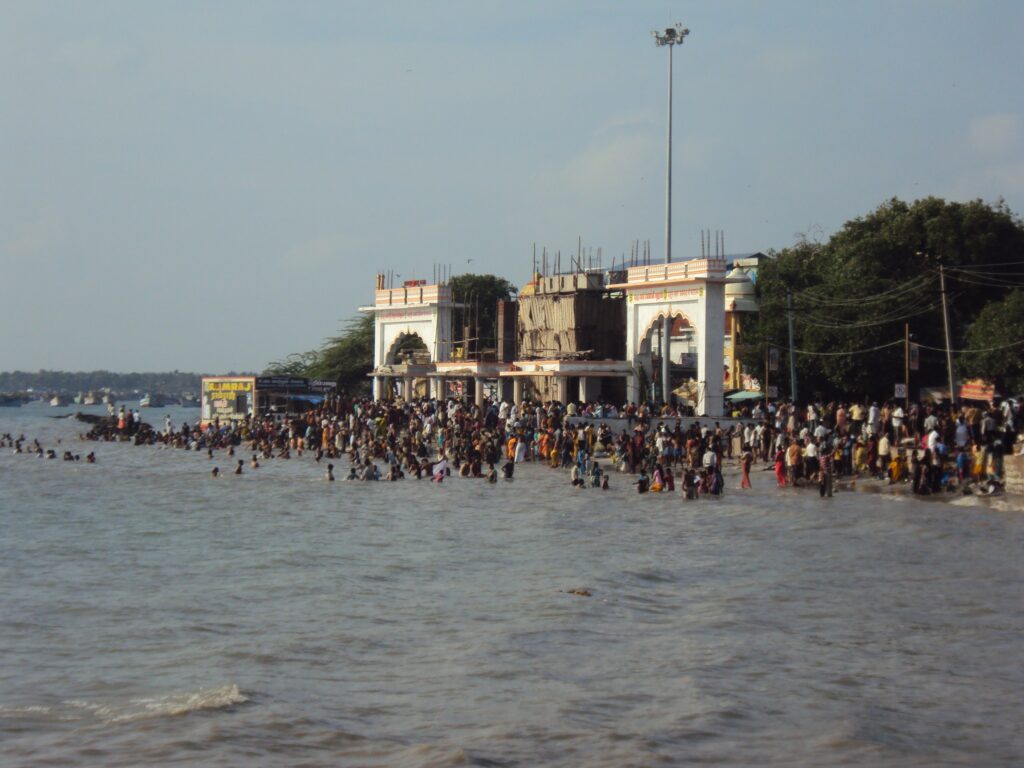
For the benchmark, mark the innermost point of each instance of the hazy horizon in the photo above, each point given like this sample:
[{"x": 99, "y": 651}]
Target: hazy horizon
[{"x": 210, "y": 187}]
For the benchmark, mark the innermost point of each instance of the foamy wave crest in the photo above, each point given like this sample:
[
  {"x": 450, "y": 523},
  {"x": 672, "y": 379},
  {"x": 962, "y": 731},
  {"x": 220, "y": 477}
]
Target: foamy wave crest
[
  {"x": 183, "y": 704},
  {"x": 173, "y": 705},
  {"x": 34, "y": 711}
]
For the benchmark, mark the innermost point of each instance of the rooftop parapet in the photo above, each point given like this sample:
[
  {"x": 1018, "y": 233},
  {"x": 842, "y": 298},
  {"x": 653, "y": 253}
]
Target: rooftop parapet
[
  {"x": 677, "y": 271},
  {"x": 415, "y": 292}
]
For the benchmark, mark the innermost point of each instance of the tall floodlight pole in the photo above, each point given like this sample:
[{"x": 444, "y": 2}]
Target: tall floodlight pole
[{"x": 670, "y": 37}]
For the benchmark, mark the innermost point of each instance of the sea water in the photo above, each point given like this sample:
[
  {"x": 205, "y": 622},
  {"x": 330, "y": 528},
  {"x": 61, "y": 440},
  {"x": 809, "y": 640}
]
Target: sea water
[{"x": 152, "y": 614}]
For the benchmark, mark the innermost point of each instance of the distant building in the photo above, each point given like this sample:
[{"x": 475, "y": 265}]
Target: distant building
[
  {"x": 234, "y": 398},
  {"x": 583, "y": 335}
]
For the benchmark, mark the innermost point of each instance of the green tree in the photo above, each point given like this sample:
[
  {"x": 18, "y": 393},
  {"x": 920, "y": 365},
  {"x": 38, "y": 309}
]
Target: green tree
[
  {"x": 997, "y": 334},
  {"x": 876, "y": 274},
  {"x": 480, "y": 295},
  {"x": 346, "y": 359}
]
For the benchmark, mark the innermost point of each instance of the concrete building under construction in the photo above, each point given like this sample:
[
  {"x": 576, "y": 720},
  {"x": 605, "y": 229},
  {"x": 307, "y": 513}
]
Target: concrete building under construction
[{"x": 572, "y": 318}]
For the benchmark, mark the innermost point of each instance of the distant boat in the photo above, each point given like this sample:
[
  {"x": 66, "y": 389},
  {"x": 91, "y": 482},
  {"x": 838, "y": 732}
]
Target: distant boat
[
  {"x": 59, "y": 400},
  {"x": 90, "y": 399},
  {"x": 10, "y": 401},
  {"x": 189, "y": 401},
  {"x": 79, "y": 398},
  {"x": 152, "y": 401}
]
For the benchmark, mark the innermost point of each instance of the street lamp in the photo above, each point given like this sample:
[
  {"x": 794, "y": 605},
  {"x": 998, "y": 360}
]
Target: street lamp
[{"x": 671, "y": 37}]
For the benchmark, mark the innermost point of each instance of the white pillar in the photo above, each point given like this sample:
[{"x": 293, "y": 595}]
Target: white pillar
[
  {"x": 711, "y": 351},
  {"x": 560, "y": 389},
  {"x": 589, "y": 387},
  {"x": 517, "y": 390},
  {"x": 478, "y": 391},
  {"x": 632, "y": 387},
  {"x": 378, "y": 387}
]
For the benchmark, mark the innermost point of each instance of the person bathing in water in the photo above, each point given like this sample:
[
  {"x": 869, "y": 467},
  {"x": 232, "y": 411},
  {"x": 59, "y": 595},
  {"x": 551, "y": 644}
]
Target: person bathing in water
[{"x": 643, "y": 483}]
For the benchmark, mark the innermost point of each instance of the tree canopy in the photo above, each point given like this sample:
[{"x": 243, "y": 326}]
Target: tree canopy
[
  {"x": 480, "y": 294},
  {"x": 346, "y": 358},
  {"x": 853, "y": 295},
  {"x": 997, "y": 335}
]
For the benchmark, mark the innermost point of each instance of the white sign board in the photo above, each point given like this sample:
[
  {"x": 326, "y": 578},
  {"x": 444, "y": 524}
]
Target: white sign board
[{"x": 901, "y": 390}]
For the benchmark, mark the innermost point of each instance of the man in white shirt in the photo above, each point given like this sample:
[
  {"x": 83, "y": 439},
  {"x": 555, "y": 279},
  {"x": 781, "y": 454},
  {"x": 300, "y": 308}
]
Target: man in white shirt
[
  {"x": 883, "y": 453},
  {"x": 874, "y": 419},
  {"x": 897, "y": 421},
  {"x": 710, "y": 459}
]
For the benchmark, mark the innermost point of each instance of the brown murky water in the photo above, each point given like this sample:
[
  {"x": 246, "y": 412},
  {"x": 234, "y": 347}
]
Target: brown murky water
[{"x": 152, "y": 614}]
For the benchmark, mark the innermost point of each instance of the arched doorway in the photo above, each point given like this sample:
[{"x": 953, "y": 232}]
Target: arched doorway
[
  {"x": 682, "y": 352},
  {"x": 406, "y": 359},
  {"x": 407, "y": 348}
]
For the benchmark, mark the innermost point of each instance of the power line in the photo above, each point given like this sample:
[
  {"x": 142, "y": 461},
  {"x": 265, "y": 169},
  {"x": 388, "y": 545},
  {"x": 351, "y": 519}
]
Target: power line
[
  {"x": 810, "y": 294},
  {"x": 851, "y": 352},
  {"x": 901, "y": 314},
  {"x": 993, "y": 264},
  {"x": 973, "y": 351},
  {"x": 985, "y": 272},
  {"x": 889, "y": 295},
  {"x": 987, "y": 282}
]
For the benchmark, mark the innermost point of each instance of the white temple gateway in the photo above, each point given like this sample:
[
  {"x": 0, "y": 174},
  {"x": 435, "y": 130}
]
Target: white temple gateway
[{"x": 691, "y": 293}]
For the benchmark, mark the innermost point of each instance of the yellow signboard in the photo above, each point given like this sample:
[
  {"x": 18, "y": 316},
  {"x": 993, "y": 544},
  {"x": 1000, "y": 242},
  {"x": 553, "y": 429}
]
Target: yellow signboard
[{"x": 228, "y": 386}]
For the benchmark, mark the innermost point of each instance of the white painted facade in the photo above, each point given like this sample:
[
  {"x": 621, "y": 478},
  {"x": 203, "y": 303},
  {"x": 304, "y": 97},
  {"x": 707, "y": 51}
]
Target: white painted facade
[
  {"x": 694, "y": 290},
  {"x": 421, "y": 310}
]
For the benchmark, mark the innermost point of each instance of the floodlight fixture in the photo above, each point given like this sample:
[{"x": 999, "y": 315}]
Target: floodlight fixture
[{"x": 671, "y": 36}]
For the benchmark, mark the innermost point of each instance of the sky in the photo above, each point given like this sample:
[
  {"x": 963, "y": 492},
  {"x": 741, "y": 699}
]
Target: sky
[{"x": 211, "y": 186}]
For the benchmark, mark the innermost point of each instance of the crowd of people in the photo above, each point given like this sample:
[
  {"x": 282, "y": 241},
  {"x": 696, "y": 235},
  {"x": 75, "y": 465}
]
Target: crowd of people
[
  {"x": 930, "y": 448},
  {"x": 934, "y": 448},
  {"x": 431, "y": 439}
]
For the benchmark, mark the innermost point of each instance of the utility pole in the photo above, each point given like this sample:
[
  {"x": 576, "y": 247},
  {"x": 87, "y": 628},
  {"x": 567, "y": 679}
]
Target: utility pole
[
  {"x": 671, "y": 37},
  {"x": 945, "y": 322},
  {"x": 792, "y": 354},
  {"x": 906, "y": 366},
  {"x": 766, "y": 353}
]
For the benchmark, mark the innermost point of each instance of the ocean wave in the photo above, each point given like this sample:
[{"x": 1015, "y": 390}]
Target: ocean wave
[{"x": 172, "y": 705}]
